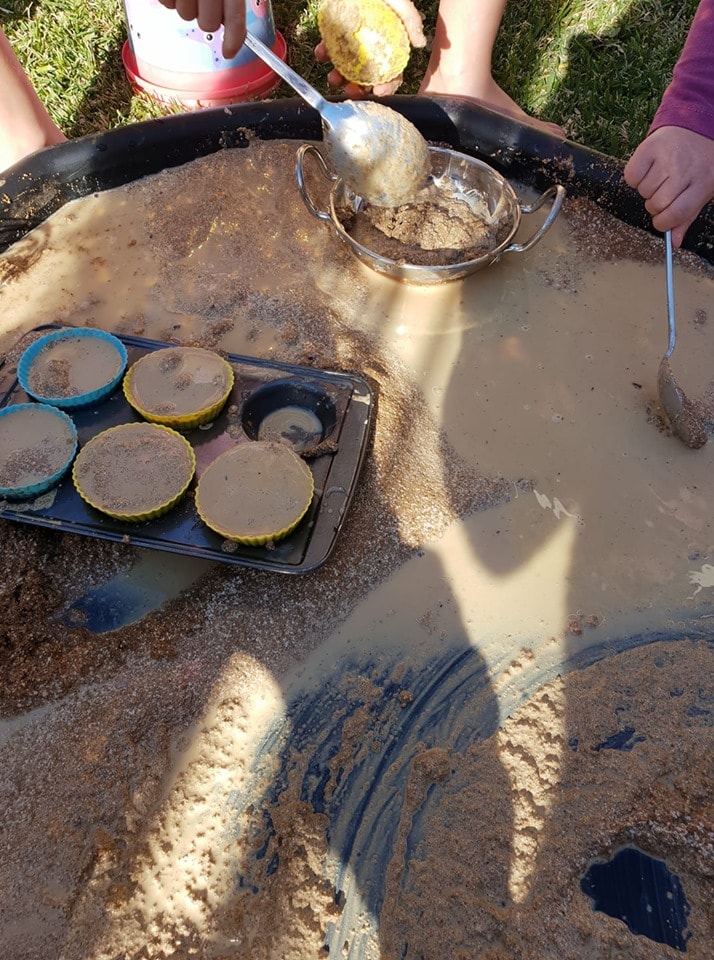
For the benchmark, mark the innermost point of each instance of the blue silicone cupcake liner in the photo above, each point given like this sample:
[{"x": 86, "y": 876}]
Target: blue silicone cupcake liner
[
  {"x": 78, "y": 333},
  {"x": 41, "y": 486}
]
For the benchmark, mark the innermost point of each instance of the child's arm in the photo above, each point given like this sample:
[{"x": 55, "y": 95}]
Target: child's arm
[
  {"x": 673, "y": 168},
  {"x": 25, "y": 123}
]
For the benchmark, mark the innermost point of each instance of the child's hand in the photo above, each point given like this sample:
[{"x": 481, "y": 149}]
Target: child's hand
[
  {"x": 673, "y": 170},
  {"x": 211, "y": 14},
  {"x": 411, "y": 18}
]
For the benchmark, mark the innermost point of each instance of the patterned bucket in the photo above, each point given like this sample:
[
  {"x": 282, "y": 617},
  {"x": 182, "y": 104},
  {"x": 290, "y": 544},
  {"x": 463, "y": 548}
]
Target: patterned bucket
[{"x": 174, "y": 61}]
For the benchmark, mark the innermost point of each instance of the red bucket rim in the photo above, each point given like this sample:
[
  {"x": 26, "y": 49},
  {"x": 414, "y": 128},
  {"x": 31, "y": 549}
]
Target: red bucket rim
[{"x": 213, "y": 88}]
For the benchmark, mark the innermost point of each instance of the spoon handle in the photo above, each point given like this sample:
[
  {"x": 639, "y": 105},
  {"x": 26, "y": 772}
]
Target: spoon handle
[
  {"x": 670, "y": 293},
  {"x": 299, "y": 85}
]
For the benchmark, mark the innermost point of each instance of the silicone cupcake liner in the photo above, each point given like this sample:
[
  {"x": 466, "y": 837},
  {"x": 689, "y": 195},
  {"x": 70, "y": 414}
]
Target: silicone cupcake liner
[
  {"x": 79, "y": 400},
  {"x": 27, "y": 491},
  {"x": 261, "y": 539},
  {"x": 187, "y": 421},
  {"x": 257, "y": 541},
  {"x": 156, "y": 511}
]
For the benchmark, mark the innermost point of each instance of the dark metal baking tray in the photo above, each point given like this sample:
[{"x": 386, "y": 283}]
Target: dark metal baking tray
[{"x": 348, "y": 396}]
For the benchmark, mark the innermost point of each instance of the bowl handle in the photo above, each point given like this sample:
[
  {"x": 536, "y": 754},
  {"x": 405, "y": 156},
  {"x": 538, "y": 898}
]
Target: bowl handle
[
  {"x": 305, "y": 149},
  {"x": 557, "y": 194}
]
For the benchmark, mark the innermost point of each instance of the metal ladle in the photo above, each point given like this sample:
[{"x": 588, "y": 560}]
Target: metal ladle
[
  {"x": 686, "y": 422},
  {"x": 376, "y": 151}
]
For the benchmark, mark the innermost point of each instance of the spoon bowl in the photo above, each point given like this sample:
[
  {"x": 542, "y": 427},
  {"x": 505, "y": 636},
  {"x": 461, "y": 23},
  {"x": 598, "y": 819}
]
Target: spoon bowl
[
  {"x": 376, "y": 151},
  {"x": 680, "y": 410}
]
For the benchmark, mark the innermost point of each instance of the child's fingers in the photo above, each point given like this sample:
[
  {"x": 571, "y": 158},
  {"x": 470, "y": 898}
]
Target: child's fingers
[
  {"x": 673, "y": 170},
  {"x": 355, "y": 92},
  {"x": 670, "y": 221},
  {"x": 187, "y": 9},
  {"x": 351, "y": 90},
  {"x": 653, "y": 182},
  {"x": 411, "y": 18},
  {"x": 335, "y": 78},
  {"x": 678, "y": 234},
  {"x": 387, "y": 89},
  {"x": 639, "y": 165},
  {"x": 321, "y": 54},
  {"x": 234, "y": 27},
  {"x": 663, "y": 203},
  {"x": 209, "y": 15},
  {"x": 681, "y": 210}
]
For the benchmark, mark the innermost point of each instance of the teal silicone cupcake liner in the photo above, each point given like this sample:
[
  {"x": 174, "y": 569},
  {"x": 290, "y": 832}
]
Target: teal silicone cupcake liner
[
  {"x": 31, "y": 354},
  {"x": 29, "y": 490}
]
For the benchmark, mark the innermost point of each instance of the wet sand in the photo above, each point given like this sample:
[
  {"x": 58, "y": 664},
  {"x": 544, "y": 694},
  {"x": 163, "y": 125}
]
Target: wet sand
[{"x": 377, "y": 756}]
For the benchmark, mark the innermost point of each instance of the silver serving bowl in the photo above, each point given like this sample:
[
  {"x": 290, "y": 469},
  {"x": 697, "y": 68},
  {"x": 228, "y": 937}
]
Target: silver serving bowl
[{"x": 468, "y": 176}]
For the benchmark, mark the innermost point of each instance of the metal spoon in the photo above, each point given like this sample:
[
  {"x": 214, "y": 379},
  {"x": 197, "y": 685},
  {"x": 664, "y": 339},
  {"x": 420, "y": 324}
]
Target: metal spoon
[
  {"x": 686, "y": 422},
  {"x": 376, "y": 151}
]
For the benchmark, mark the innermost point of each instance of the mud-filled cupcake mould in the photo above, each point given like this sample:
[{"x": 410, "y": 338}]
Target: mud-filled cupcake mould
[
  {"x": 134, "y": 472},
  {"x": 72, "y": 367},
  {"x": 37, "y": 446},
  {"x": 255, "y": 493},
  {"x": 180, "y": 387}
]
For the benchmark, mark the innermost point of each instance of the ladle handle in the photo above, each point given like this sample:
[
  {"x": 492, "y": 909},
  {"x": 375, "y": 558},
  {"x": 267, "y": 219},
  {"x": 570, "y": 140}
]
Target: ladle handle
[
  {"x": 304, "y": 150},
  {"x": 670, "y": 294},
  {"x": 299, "y": 85},
  {"x": 557, "y": 194}
]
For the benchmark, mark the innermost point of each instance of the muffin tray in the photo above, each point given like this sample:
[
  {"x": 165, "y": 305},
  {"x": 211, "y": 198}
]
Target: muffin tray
[{"x": 337, "y": 409}]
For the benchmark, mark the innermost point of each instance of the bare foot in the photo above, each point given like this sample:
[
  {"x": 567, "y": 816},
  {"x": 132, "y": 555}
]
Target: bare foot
[{"x": 489, "y": 94}]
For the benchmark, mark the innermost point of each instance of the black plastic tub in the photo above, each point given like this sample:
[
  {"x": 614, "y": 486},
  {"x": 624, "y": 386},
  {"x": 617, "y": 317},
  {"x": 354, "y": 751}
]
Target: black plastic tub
[
  {"x": 449, "y": 694},
  {"x": 35, "y": 188}
]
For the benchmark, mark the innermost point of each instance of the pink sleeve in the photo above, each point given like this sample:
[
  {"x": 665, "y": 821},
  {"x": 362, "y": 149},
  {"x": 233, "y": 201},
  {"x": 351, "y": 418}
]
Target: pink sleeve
[{"x": 689, "y": 99}]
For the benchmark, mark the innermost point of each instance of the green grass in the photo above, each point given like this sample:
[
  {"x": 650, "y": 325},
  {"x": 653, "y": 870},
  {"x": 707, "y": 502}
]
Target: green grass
[{"x": 596, "y": 67}]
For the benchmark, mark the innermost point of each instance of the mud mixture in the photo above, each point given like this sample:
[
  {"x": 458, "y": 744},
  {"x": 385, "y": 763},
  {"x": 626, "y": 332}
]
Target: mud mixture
[
  {"x": 134, "y": 468},
  {"x": 408, "y": 752},
  {"x": 439, "y": 227},
  {"x": 178, "y": 381},
  {"x": 34, "y": 445},
  {"x": 67, "y": 368},
  {"x": 255, "y": 490}
]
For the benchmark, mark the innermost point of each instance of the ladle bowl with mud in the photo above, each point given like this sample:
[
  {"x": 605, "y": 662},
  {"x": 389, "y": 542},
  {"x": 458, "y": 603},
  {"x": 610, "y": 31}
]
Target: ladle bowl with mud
[{"x": 464, "y": 219}]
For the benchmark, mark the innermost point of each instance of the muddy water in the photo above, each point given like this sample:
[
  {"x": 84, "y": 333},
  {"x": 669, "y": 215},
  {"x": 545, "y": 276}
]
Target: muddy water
[
  {"x": 179, "y": 383},
  {"x": 541, "y": 368},
  {"x": 591, "y": 533},
  {"x": 557, "y": 386},
  {"x": 163, "y": 463},
  {"x": 36, "y": 443},
  {"x": 67, "y": 368}
]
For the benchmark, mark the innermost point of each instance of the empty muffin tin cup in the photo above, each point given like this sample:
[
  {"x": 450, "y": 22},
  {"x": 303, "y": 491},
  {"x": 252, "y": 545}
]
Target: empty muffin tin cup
[
  {"x": 468, "y": 176},
  {"x": 299, "y": 414}
]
